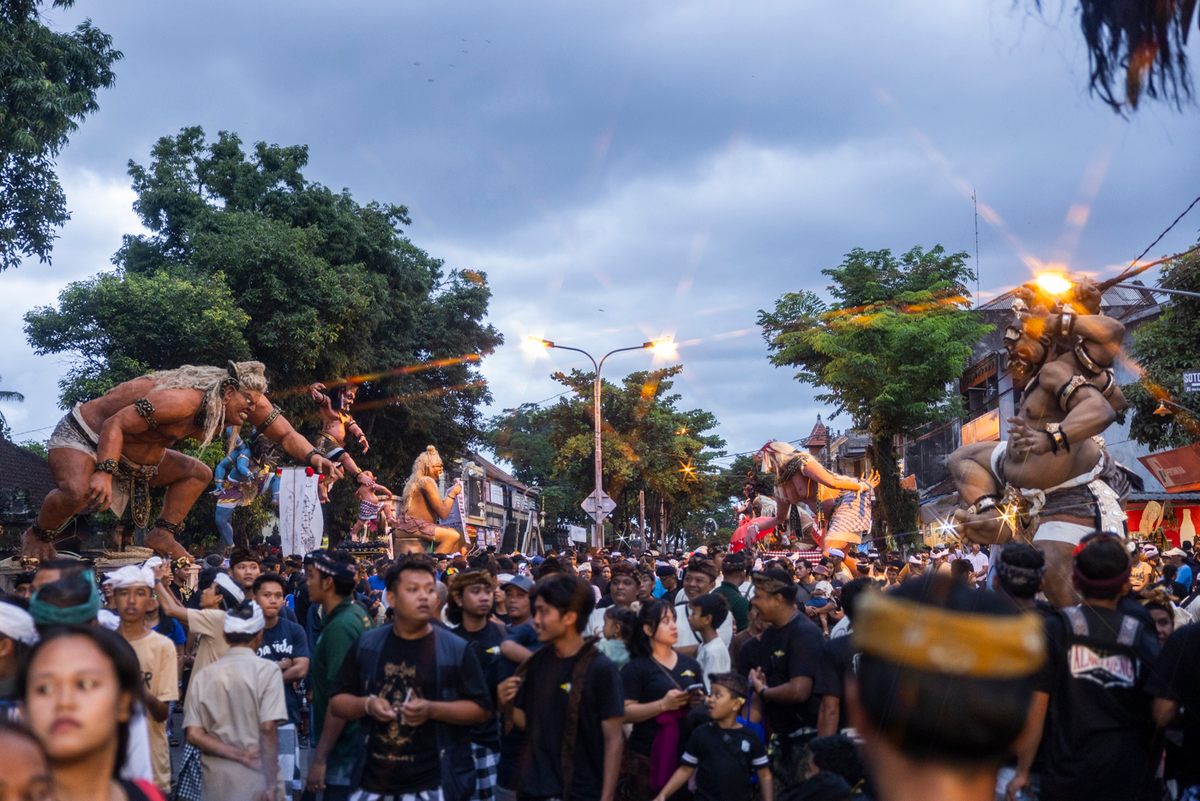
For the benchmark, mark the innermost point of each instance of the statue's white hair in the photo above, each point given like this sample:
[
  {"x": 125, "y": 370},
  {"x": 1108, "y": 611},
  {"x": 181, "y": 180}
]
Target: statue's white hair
[{"x": 251, "y": 376}]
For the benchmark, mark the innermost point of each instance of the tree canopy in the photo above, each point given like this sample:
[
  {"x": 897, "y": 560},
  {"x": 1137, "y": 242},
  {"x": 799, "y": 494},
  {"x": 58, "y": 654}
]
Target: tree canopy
[
  {"x": 248, "y": 258},
  {"x": 1165, "y": 348},
  {"x": 49, "y": 82},
  {"x": 885, "y": 351},
  {"x": 648, "y": 444}
]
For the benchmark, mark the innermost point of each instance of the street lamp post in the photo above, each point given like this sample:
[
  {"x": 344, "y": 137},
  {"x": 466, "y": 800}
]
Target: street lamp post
[{"x": 657, "y": 346}]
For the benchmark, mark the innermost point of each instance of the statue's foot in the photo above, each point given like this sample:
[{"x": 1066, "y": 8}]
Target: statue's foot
[
  {"x": 162, "y": 542},
  {"x": 34, "y": 546}
]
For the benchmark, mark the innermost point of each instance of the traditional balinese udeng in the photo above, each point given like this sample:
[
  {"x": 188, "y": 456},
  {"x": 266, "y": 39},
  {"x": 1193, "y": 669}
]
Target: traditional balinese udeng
[{"x": 1053, "y": 482}]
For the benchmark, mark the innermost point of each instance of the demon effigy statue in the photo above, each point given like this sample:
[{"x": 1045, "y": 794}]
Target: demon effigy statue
[
  {"x": 801, "y": 480},
  {"x": 1053, "y": 481},
  {"x": 336, "y": 423},
  {"x": 109, "y": 452}
]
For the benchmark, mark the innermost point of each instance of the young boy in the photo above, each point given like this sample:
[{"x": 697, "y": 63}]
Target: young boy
[
  {"x": 705, "y": 615},
  {"x": 131, "y": 588},
  {"x": 722, "y": 751}
]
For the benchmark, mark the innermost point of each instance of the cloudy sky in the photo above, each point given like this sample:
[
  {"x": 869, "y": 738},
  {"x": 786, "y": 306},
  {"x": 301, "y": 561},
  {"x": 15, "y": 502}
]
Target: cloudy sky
[{"x": 623, "y": 170}]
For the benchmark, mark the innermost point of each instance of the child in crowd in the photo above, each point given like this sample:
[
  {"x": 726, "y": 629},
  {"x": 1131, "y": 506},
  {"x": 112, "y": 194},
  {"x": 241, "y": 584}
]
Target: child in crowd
[
  {"x": 619, "y": 624},
  {"x": 722, "y": 754},
  {"x": 705, "y": 615}
]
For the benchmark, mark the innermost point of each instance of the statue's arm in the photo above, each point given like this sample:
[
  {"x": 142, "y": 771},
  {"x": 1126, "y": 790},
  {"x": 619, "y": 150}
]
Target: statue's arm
[
  {"x": 1088, "y": 411},
  {"x": 814, "y": 470},
  {"x": 280, "y": 431}
]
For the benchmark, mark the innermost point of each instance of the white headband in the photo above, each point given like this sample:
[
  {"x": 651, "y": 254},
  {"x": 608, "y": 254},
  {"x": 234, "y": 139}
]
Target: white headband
[
  {"x": 236, "y": 625},
  {"x": 130, "y": 576},
  {"x": 229, "y": 585},
  {"x": 17, "y": 624}
]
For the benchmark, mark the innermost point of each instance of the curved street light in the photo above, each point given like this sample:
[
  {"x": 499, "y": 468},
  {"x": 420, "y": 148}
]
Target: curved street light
[{"x": 663, "y": 347}]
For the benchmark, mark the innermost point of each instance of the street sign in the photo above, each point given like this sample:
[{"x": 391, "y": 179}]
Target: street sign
[
  {"x": 607, "y": 504},
  {"x": 1191, "y": 381}
]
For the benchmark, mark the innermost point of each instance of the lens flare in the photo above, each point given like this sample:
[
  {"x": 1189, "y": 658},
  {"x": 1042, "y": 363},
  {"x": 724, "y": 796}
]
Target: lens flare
[{"x": 1053, "y": 283}]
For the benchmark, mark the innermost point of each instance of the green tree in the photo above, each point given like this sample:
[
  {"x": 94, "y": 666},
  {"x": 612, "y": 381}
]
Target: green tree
[
  {"x": 1165, "y": 348},
  {"x": 49, "y": 81},
  {"x": 248, "y": 258},
  {"x": 885, "y": 351},
  {"x": 8, "y": 396},
  {"x": 649, "y": 445}
]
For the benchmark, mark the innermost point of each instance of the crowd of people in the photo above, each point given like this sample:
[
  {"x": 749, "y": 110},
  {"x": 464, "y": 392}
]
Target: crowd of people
[{"x": 598, "y": 676}]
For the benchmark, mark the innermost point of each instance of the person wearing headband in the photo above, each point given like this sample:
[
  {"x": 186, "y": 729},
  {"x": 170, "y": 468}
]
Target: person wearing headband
[
  {"x": 789, "y": 660},
  {"x": 330, "y": 577},
  {"x": 17, "y": 635},
  {"x": 1092, "y": 691},
  {"x": 1019, "y": 572},
  {"x": 943, "y": 686},
  {"x": 131, "y": 587},
  {"x": 232, "y": 713},
  {"x": 217, "y": 592}
]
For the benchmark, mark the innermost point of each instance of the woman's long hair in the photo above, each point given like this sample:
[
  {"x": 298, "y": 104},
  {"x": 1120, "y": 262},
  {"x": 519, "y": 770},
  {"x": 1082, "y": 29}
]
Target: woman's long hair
[
  {"x": 422, "y": 467},
  {"x": 124, "y": 663},
  {"x": 651, "y": 616},
  {"x": 251, "y": 377}
]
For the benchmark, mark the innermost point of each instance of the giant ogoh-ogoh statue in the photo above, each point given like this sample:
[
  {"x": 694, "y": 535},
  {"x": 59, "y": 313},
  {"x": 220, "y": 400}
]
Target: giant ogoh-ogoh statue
[{"x": 1053, "y": 481}]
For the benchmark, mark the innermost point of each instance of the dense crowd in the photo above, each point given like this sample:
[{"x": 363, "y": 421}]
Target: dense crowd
[{"x": 596, "y": 676}]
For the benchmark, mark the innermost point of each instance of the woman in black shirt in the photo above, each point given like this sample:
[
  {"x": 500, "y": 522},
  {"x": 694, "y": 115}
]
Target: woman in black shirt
[{"x": 659, "y": 688}]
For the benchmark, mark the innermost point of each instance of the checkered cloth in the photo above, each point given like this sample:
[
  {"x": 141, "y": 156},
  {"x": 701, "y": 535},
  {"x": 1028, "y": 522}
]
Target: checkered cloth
[
  {"x": 187, "y": 786},
  {"x": 425, "y": 795},
  {"x": 487, "y": 762},
  {"x": 289, "y": 757}
]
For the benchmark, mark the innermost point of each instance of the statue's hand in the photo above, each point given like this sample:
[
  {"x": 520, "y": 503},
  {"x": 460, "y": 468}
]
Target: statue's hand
[
  {"x": 362, "y": 441},
  {"x": 871, "y": 479},
  {"x": 1025, "y": 440},
  {"x": 100, "y": 490},
  {"x": 327, "y": 467}
]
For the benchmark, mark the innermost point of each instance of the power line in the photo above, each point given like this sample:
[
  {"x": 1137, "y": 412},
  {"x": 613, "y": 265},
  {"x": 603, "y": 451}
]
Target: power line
[{"x": 1167, "y": 230}]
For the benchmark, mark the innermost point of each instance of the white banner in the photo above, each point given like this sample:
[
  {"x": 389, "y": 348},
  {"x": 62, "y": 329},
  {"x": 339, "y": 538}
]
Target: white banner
[{"x": 300, "y": 522}]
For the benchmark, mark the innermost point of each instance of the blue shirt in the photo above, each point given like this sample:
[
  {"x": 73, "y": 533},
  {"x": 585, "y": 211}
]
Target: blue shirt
[{"x": 1184, "y": 576}]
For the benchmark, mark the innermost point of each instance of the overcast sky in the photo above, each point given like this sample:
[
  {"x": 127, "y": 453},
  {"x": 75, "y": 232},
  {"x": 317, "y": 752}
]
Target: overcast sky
[{"x": 623, "y": 170}]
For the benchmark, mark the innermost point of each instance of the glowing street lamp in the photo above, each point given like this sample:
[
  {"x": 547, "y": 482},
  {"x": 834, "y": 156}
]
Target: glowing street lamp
[{"x": 663, "y": 347}]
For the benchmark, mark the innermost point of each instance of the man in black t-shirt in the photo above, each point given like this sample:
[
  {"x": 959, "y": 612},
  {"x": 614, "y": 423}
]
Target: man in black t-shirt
[
  {"x": 838, "y": 660},
  {"x": 568, "y": 699},
  {"x": 415, "y": 706},
  {"x": 469, "y": 609},
  {"x": 791, "y": 651},
  {"x": 1092, "y": 689},
  {"x": 285, "y": 644},
  {"x": 1175, "y": 686}
]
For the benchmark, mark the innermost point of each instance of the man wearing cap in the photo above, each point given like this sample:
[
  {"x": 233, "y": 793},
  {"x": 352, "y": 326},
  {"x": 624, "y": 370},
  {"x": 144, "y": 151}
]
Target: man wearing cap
[
  {"x": 1183, "y": 571},
  {"x": 735, "y": 572},
  {"x": 244, "y": 567},
  {"x": 791, "y": 650},
  {"x": 131, "y": 588},
  {"x": 17, "y": 635},
  {"x": 700, "y": 579},
  {"x": 837, "y": 564},
  {"x": 232, "y": 712},
  {"x": 938, "y": 659},
  {"x": 622, "y": 588},
  {"x": 331, "y": 577}
]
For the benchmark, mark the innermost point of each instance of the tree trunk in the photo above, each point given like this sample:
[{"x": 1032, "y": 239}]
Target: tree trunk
[{"x": 896, "y": 510}]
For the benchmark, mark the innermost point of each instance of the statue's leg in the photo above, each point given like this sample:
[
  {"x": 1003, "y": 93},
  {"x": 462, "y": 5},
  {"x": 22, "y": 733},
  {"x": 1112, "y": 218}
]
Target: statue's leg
[
  {"x": 971, "y": 469},
  {"x": 185, "y": 479},
  {"x": 1057, "y": 583},
  {"x": 448, "y": 540},
  {"x": 71, "y": 470}
]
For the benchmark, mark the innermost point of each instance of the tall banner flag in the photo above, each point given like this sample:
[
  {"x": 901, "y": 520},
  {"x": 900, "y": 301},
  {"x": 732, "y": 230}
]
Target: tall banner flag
[{"x": 301, "y": 524}]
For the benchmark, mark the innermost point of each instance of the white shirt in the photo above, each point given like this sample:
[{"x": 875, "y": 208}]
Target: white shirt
[
  {"x": 979, "y": 563},
  {"x": 713, "y": 657},
  {"x": 688, "y": 638}
]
